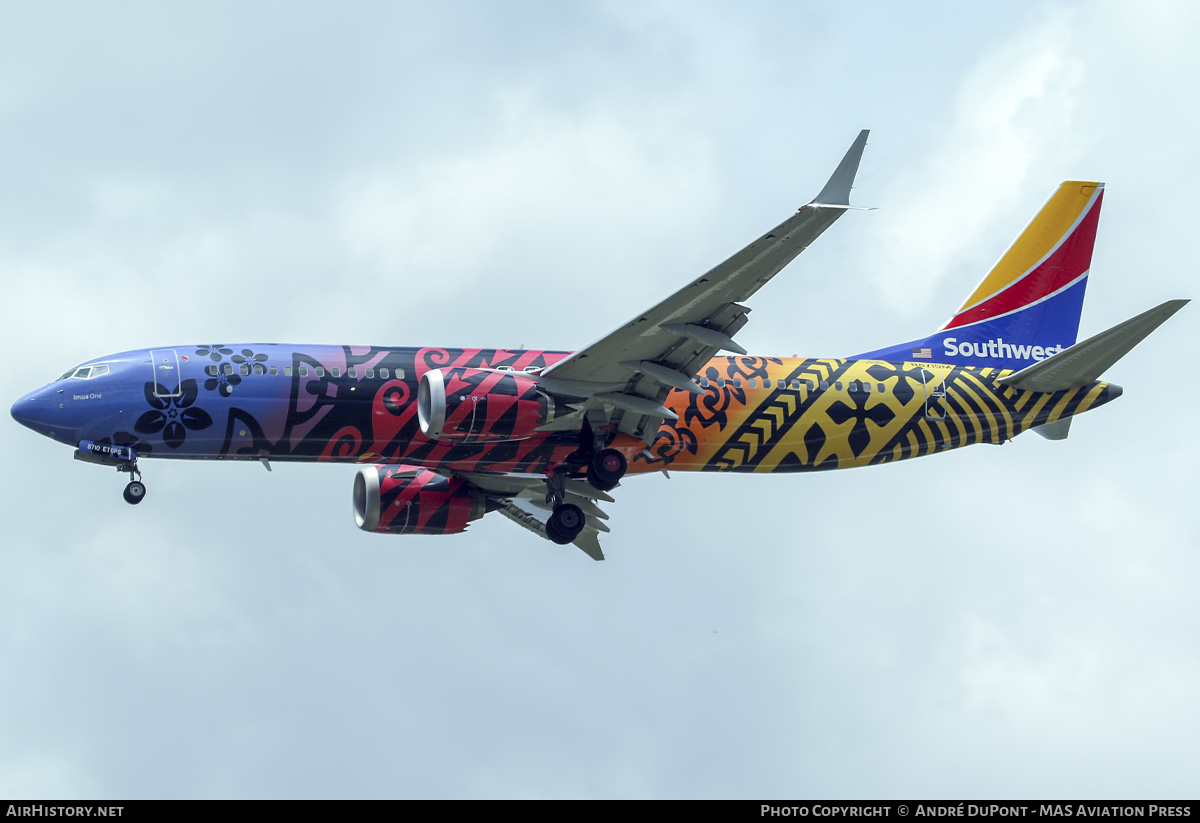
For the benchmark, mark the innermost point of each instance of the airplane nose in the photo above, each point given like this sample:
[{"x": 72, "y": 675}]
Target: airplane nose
[{"x": 32, "y": 411}]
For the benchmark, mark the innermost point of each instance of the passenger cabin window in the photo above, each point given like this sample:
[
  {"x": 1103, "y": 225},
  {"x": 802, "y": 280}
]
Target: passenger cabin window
[
  {"x": 882, "y": 387},
  {"x": 287, "y": 371},
  {"x": 399, "y": 374},
  {"x": 383, "y": 373},
  {"x": 704, "y": 382},
  {"x": 274, "y": 370},
  {"x": 320, "y": 370},
  {"x": 244, "y": 369},
  {"x": 304, "y": 371},
  {"x": 226, "y": 368},
  {"x": 336, "y": 372},
  {"x": 211, "y": 369},
  {"x": 838, "y": 385},
  {"x": 370, "y": 374},
  {"x": 259, "y": 368}
]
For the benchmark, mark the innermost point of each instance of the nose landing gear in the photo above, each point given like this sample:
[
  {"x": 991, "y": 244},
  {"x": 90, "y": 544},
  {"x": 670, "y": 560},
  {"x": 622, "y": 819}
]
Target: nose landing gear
[
  {"x": 135, "y": 492},
  {"x": 124, "y": 458}
]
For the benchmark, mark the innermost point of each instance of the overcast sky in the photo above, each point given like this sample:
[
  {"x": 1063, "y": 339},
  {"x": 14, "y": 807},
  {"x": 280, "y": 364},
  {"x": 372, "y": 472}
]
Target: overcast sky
[{"x": 1017, "y": 621}]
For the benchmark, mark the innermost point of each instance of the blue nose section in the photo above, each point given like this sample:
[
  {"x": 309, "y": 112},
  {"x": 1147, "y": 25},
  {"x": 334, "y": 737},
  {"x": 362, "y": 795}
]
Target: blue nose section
[
  {"x": 32, "y": 411},
  {"x": 36, "y": 410}
]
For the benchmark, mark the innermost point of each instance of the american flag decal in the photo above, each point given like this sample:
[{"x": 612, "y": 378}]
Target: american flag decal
[{"x": 925, "y": 353}]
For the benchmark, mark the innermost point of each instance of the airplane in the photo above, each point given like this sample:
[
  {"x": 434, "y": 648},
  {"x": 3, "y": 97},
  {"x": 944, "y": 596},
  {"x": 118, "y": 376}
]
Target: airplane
[{"x": 446, "y": 435}]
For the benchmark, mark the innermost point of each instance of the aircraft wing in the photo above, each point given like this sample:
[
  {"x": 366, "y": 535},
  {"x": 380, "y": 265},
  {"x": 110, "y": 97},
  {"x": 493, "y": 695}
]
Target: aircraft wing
[
  {"x": 629, "y": 371},
  {"x": 503, "y": 487}
]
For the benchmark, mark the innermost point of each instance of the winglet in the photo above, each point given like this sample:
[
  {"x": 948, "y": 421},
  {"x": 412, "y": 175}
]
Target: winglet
[
  {"x": 837, "y": 190},
  {"x": 1085, "y": 362}
]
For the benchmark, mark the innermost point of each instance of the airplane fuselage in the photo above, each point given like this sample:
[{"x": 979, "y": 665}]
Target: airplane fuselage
[{"x": 357, "y": 404}]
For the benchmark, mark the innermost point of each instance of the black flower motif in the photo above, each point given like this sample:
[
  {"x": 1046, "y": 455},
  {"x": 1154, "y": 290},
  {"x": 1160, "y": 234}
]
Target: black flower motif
[
  {"x": 248, "y": 356},
  {"x": 214, "y": 351},
  {"x": 223, "y": 382},
  {"x": 173, "y": 416}
]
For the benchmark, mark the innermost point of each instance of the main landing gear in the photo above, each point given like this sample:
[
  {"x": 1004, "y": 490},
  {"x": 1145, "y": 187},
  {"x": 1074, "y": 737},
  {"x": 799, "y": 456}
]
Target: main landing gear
[
  {"x": 565, "y": 524},
  {"x": 567, "y": 519},
  {"x": 606, "y": 469},
  {"x": 135, "y": 492}
]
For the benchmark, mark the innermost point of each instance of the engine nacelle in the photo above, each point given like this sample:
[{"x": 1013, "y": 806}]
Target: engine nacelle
[
  {"x": 480, "y": 405},
  {"x": 411, "y": 500}
]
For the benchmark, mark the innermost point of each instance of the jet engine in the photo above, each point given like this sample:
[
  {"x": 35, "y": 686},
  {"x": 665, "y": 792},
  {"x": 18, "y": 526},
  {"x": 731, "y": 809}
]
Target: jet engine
[
  {"x": 411, "y": 500},
  {"x": 481, "y": 405}
]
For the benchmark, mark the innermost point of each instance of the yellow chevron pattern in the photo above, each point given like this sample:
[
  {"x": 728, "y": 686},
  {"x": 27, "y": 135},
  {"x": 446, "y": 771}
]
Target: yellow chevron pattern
[{"x": 780, "y": 415}]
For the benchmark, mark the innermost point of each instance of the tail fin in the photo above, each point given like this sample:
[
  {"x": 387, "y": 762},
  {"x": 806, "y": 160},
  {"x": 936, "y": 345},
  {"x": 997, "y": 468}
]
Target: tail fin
[{"x": 1027, "y": 307}]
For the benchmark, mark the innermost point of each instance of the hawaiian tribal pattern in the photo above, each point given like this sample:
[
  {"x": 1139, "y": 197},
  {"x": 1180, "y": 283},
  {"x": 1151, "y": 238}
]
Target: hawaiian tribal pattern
[
  {"x": 868, "y": 412},
  {"x": 358, "y": 404}
]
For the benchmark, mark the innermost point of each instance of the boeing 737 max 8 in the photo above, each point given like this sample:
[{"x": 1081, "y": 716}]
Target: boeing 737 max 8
[{"x": 445, "y": 436}]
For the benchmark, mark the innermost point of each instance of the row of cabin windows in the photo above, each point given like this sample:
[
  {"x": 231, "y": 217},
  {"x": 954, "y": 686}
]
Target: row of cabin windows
[
  {"x": 855, "y": 385},
  {"x": 386, "y": 374},
  {"x": 258, "y": 368}
]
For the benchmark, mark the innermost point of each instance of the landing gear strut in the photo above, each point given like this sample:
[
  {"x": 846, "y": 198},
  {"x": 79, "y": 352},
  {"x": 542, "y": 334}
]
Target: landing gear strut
[
  {"x": 567, "y": 519},
  {"x": 135, "y": 492}
]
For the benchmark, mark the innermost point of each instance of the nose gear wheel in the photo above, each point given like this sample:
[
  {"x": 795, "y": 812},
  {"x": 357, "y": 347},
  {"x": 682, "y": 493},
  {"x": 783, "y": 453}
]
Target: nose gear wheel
[{"x": 135, "y": 491}]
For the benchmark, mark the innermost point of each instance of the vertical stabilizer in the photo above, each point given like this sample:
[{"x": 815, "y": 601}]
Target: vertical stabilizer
[{"x": 1027, "y": 308}]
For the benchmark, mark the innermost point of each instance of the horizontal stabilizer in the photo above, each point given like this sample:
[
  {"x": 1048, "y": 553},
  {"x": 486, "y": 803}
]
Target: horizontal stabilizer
[{"x": 1084, "y": 362}]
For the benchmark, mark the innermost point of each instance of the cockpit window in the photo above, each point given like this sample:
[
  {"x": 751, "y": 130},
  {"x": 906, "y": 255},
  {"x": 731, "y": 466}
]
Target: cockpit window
[{"x": 85, "y": 373}]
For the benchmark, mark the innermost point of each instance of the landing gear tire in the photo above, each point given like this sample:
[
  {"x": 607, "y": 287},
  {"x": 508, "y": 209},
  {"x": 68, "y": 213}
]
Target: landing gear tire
[
  {"x": 135, "y": 492},
  {"x": 565, "y": 524},
  {"x": 606, "y": 470},
  {"x": 554, "y": 535}
]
